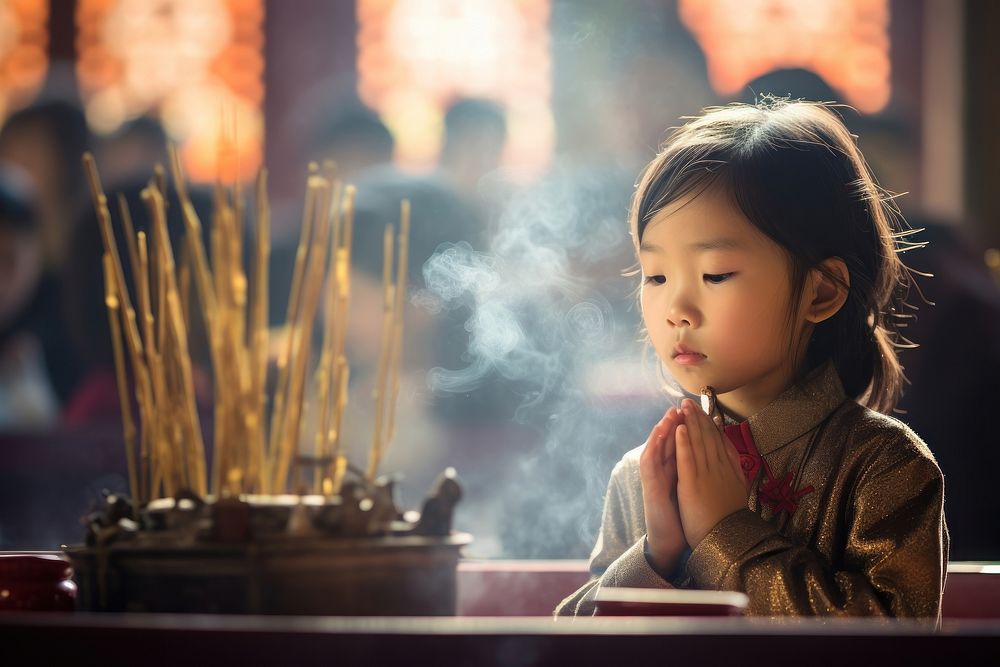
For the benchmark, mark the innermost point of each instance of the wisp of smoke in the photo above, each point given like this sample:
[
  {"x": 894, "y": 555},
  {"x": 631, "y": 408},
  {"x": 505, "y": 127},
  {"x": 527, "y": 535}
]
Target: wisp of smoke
[{"x": 538, "y": 319}]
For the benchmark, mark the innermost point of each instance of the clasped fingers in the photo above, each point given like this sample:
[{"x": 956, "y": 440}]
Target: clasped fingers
[
  {"x": 700, "y": 444},
  {"x": 709, "y": 486},
  {"x": 660, "y": 444}
]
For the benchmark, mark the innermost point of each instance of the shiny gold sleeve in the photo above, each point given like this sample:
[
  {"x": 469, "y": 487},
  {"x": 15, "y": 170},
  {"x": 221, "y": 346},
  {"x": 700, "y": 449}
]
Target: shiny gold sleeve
[{"x": 894, "y": 553}]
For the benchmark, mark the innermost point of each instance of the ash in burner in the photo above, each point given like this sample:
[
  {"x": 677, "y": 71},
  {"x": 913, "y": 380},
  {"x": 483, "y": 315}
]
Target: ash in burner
[{"x": 362, "y": 509}]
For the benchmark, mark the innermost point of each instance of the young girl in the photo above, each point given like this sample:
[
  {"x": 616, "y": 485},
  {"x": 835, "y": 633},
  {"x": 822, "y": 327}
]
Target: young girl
[{"x": 770, "y": 277}]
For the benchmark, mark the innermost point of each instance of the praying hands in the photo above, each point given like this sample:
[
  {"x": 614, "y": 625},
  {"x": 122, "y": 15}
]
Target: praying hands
[{"x": 710, "y": 481}]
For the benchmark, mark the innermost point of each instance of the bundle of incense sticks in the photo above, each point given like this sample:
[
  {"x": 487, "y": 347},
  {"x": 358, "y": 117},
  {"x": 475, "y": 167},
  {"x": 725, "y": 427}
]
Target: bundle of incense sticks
[{"x": 257, "y": 436}]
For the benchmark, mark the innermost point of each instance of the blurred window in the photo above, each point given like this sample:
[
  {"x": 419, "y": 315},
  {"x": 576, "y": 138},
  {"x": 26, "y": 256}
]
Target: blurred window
[
  {"x": 417, "y": 56},
  {"x": 198, "y": 64},
  {"x": 844, "y": 41},
  {"x": 23, "y": 59}
]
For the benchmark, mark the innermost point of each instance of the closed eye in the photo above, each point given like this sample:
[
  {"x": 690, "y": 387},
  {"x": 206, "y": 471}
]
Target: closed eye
[
  {"x": 716, "y": 278},
  {"x": 655, "y": 280}
]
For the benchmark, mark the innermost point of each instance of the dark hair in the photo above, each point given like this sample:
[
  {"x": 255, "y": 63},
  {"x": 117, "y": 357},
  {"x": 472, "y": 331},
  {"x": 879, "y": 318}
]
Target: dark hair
[
  {"x": 438, "y": 216},
  {"x": 357, "y": 126},
  {"x": 143, "y": 128},
  {"x": 66, "y": 125},
  {"x": 470, "y": 116},
  {"x": 794, "y": 171}
]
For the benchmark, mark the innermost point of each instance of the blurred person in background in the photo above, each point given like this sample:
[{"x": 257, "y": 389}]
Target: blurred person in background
[
  {"x": 46, "y": 140},
  {"x": 94, "y": 401},
  {"x": 27, "y": 398},
  {"x": 475, "y": 134},
  {"x": 355, "y": 138},
  {"x": 132, "y": 151}
]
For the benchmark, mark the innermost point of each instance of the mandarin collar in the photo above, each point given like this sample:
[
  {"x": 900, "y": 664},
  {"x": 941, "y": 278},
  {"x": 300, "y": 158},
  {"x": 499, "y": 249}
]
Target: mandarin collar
[{"x": 798, "y": 410}]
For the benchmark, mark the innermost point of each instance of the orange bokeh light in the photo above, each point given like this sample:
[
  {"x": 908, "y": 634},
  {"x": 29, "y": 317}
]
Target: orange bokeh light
[
  {"x": 23, "y": 57},
  {"x": 417, "y": 56},
  {"x": 188, "y": 62},
  {"x": 844, "y": 41}
]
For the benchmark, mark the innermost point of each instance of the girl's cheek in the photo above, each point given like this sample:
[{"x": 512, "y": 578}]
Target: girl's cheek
[{"x": 647, "y": 307}]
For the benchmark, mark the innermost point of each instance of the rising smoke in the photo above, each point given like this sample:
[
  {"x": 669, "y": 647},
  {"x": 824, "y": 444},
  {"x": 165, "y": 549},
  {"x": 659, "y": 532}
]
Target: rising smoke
[{"x": 548, "y": 318}]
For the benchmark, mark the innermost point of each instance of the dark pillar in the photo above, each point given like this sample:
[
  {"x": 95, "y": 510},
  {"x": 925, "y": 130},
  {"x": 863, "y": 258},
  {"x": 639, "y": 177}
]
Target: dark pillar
[
  {"x": 310, "y": 55},
  {"x": 62, "y": 31},
  {"x": 982, "y": 104}
]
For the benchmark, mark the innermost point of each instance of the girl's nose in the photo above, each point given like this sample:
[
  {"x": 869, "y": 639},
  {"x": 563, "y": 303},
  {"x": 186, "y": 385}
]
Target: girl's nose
[
  {"x": 678, "y": 321},
  {"x": 682, "y": 313}
]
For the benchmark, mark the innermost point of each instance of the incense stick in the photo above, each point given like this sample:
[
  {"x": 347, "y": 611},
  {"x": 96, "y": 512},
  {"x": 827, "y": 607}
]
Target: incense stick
[
  {"x": 378, "y": 393},
  {"x": 153, "y": 359},
  {"x": 192, "y": 447},
  {"x": 132, "y": 338},
  {"x": 279, "y": 412},
  {"x": 327, "y": 380},
  {"x": 259, "y": 329},
  {"x": 111, "y": 301},
  {"x": 400, "y": 304},
  {"x": 343, "y": 382},
  {"x": 303, "y": 329},
  {"x": 129, "y": 229}
]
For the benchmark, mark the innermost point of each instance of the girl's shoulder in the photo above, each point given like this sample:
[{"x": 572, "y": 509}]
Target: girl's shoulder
[
  {"x": 625, "y": 475},
  {"x": 628, "y": 465},
  {"x": 881, "y": 440}
]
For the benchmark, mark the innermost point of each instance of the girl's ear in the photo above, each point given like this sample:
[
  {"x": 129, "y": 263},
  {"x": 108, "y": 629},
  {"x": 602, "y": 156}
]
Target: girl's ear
[{"x": 829, "y": 283}]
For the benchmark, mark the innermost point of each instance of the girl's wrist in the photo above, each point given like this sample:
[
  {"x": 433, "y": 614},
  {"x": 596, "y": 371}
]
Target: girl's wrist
[{"x": 663, "y": 561}]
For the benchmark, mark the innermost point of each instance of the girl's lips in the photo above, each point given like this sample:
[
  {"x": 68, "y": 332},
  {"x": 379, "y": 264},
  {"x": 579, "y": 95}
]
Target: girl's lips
[{"x": 689, "y": 358}]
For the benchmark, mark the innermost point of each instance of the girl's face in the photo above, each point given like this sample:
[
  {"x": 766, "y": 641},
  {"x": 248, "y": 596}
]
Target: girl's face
[{"x": 715, "y": 297}]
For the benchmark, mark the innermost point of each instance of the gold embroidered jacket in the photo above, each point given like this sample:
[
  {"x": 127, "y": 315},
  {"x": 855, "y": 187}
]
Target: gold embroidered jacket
[{"x": 869, "y": 539}]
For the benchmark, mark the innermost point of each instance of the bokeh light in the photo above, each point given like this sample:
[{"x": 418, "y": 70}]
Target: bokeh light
[
  {"x": 189, "y": 62},
  {"x": 23, "y": 51},
  {"x": 417, "y": 56},
  {"x": 844, "y": 41}
]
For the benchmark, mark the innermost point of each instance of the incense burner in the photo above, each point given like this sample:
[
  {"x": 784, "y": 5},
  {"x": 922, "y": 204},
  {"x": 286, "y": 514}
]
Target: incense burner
[
  {"x": 350, "y": 551},
  {"x": 354, "y": 554}
]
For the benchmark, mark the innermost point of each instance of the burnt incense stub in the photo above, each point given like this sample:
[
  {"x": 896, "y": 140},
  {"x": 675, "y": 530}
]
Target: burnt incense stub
[
  {"x": 361, "y": 509},
  {"x": 436, "y": 515},
  {"x": 709, "y": 402}
]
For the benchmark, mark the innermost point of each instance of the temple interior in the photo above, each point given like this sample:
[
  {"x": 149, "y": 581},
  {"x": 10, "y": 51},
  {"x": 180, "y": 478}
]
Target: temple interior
[{"x": 475, "y": 357}]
